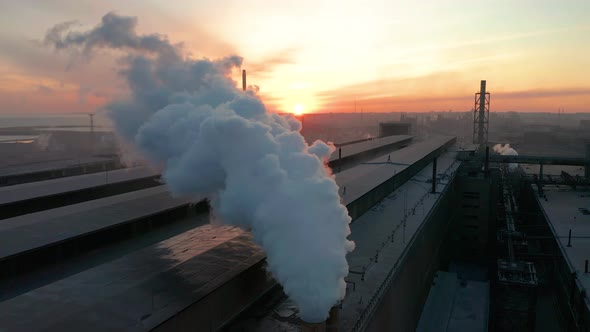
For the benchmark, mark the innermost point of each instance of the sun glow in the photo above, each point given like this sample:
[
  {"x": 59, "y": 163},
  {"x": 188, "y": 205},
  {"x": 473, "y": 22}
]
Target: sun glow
[{"x": 298, "y": 109}]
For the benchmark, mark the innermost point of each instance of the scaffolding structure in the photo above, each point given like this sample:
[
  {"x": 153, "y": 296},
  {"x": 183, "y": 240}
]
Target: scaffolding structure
[
  {"x": 481, "y": 116},
  {"x": 517, "y": 280}
]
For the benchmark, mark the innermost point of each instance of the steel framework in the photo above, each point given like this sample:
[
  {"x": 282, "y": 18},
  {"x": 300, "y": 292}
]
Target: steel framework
[{"x": 481, "y": 116}]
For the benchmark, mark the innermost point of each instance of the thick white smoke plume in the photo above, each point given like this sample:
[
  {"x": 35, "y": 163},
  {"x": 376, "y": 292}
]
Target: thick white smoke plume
[
  {"x": 506, "y": 150},
  {"x": 215, "y": 140}
]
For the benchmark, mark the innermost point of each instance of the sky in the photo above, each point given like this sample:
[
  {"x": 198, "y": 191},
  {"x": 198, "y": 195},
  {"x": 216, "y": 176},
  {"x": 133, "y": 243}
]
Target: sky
[{"x": 320, "y": 56}]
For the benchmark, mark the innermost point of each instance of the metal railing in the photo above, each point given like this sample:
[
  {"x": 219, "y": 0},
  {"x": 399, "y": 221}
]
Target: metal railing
[{"x": 368, "y": 311}]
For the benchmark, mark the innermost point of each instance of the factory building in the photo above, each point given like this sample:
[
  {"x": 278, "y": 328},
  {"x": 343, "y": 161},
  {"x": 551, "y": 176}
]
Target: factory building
[{"x": 394, "y": 128}]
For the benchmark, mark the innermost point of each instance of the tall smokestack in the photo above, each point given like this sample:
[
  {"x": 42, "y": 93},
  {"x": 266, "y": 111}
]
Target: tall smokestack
[
  {"x": 482, "y": 112},
  {"x": 244, "y": 80}
]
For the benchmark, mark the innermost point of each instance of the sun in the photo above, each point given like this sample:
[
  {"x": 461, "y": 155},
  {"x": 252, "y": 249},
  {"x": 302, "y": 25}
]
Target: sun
[{"x": 298, "y": 109}]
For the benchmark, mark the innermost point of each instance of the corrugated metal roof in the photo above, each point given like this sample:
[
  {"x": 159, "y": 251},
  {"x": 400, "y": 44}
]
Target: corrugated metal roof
[
  {"x": 138, "y": 291},
  {"x": 172, "y": 273},
  {"x": 352, "y": 149},
  {"x": 565, "y": 209},
  {"x": 455, "y": 305},
  {"x": 30, "y": 190},
  {"x": 362, "y": 178},
  {"x": 35, "y": 230},
  {"x": 50, "y": 165}
]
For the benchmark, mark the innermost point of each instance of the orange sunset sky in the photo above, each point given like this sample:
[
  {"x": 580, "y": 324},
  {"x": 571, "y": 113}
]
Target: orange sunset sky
[{"x": 387, "y": 55}]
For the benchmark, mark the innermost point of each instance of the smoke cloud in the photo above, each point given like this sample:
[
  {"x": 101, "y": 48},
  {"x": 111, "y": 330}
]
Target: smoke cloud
[
  {"x": 506, "y": 150},
  {"x": 212, "y": 139}
]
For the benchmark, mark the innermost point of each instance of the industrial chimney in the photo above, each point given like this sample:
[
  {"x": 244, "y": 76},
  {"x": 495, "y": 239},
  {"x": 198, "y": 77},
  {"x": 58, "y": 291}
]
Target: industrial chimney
[
  {"x": 330, "y": 325},
  {"x": 333, "y": 319},
  {"x": 244, "y": 79},
  {"x": 481, "y": 139},
  {"x": 313, "y": 327}
]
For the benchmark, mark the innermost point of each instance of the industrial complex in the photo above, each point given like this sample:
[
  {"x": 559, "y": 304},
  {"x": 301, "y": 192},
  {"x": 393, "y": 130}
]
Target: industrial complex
[{"x": 450, "y": 236}]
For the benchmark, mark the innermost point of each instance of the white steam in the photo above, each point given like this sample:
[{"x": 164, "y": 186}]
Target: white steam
[
  {"x": 215, "y": 140},
  {"x": 506, "y": 150}
]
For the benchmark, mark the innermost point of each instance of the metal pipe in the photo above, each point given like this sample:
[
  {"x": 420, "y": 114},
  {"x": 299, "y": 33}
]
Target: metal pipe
[
  {"x": 339, "y": 159},
  {"x": 569, "y": 239},
  {"x": 487, "y": 162},
  {"x": 586, "y": 267},
  {"x": 434, "y": 176},
  {"x": 523, "y": 159},
  {"x": 573, "y": 288}
]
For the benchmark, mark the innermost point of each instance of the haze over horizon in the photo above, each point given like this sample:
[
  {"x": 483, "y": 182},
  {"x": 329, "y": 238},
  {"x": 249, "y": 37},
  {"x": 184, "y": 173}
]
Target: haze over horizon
[{"x": 387, "y": 56}]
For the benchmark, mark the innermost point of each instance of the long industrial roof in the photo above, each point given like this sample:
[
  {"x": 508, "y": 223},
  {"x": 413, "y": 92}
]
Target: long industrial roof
[
  {"x": 30, "y": 190},
  {"x": 50, "y": 165},
  {"x": 568, "y": 209},
  {"x": 36, "y": 230},
  {"x": 138, "y": 291},
  {"x": 414, "y": 200},
  {"x": 348, "y": 150},
  {"x": 364, "y": 177},
  {"x": 135, "y": 278},
  {"x": 455, "y": 305}
]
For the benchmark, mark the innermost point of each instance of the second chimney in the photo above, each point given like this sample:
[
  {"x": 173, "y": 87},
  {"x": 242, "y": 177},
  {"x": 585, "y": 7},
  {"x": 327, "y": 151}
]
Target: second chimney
[
  {"x": 313, "y": 327},
  {"x": 332, "y": 321}
]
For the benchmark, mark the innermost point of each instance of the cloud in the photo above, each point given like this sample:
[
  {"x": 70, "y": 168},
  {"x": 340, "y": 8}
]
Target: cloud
[
  {"x": 264, "y": 66},
  {"x": 443, "y": 91},
  {"x": 543, "y": 93},
  {"x": 114, "y": 32},
  {"x": 44, "y": 89}
]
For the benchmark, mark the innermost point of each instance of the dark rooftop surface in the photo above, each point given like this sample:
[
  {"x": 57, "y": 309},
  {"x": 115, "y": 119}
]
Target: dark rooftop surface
[
  {"x": 138, "y": 291},
  {"x": 50, "y": 165},
  {"x": 352, "y": 149},
  {"x": 35, "y": 230},
  {"x": 565, "y": 209},
  {"x": 30, "y": 190},
  {"x": 368, "y": 175},
  {"x": 455, "y": 305}
]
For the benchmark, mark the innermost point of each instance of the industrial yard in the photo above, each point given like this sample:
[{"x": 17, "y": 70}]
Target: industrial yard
[
  {"x": 437, "y": 226},
  {"x": 448, "y": 236}
]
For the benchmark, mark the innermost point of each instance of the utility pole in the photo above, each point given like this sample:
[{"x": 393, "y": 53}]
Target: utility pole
[{"x": 91, "y": 115}]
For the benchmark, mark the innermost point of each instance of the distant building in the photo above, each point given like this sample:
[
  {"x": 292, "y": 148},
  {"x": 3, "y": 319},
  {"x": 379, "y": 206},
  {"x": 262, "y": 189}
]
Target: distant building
[
  {"x": 541, "y": 138},
  {"x": 394, "y": 128},
  {"x": 77, "y": 141}
]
